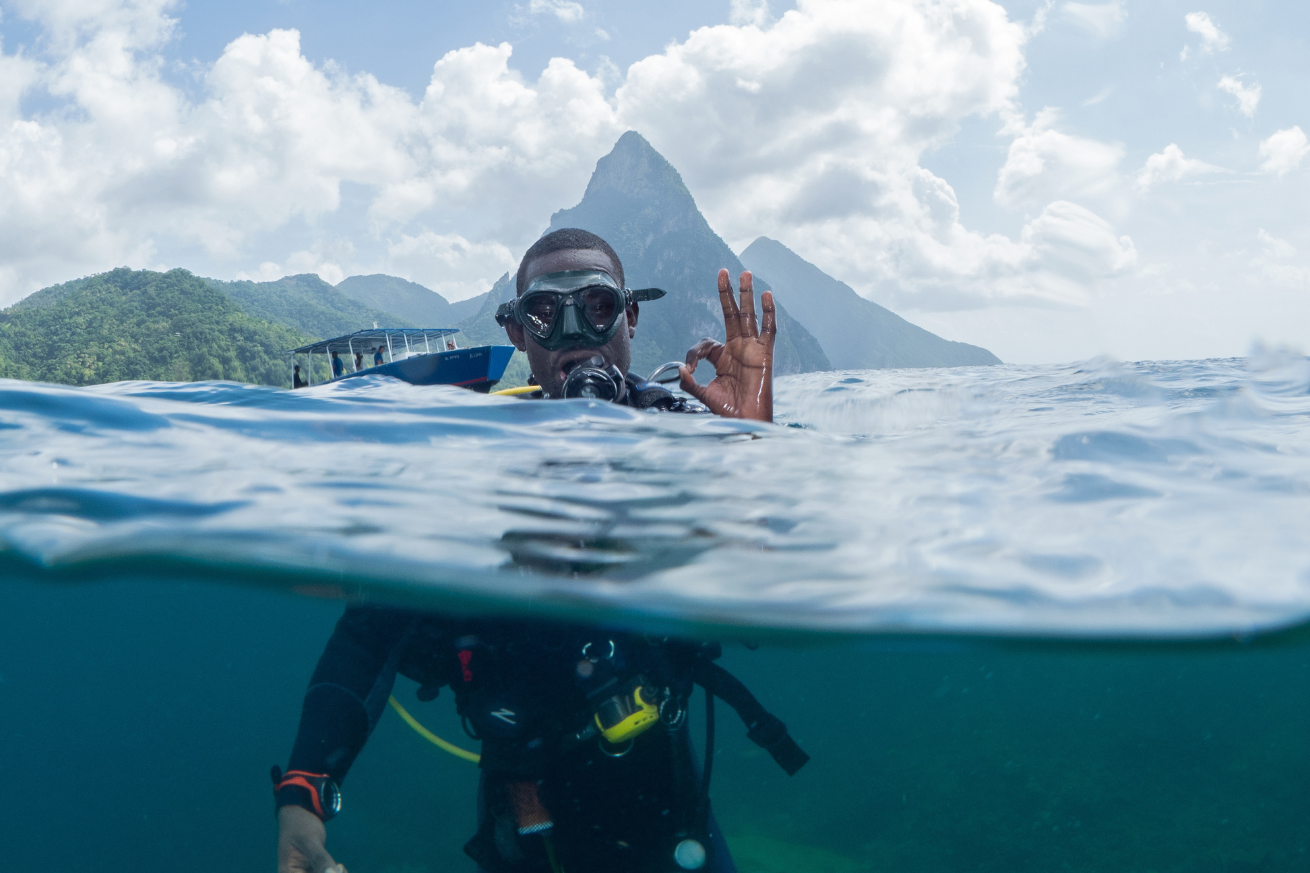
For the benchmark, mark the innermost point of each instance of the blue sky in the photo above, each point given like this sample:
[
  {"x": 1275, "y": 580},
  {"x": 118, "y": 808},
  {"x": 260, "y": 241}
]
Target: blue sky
[
  {"x": 398, "y": 42},
  {"x": 1052, "y": 180}
]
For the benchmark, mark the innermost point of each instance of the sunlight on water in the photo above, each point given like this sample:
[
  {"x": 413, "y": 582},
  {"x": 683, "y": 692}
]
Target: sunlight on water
[{"x": 1096, "y": 498}]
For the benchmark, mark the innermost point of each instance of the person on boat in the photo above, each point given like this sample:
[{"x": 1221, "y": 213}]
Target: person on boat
[
  {"x": 377, "y": 356},
  {"x": 338, "y": 368},
  {"x": 359, "y": 361},
  {"x": 586, "y": 759},
  {"x": 297, "y": 380}
]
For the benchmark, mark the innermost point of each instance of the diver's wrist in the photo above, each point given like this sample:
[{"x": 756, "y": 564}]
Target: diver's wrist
[{"x": 316, "y": 793}]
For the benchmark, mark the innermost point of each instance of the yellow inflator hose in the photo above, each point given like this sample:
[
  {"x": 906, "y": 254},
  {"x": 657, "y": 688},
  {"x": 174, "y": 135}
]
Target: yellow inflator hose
[
  {"x": 524, "y": 389},
  {"x": 431, "y": 737}
]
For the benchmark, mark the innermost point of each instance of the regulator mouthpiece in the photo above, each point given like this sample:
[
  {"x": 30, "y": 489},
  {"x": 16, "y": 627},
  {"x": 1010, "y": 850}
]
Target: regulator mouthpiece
[{"x": 593, "y": 380}]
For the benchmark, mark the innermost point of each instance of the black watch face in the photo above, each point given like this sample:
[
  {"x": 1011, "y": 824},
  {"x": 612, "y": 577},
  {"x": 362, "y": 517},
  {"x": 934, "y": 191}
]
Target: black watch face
[{"x": 330, "y": 796}]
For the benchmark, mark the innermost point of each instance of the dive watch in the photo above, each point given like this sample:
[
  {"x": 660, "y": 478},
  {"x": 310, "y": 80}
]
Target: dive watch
[{"x": 296, "y": 787}]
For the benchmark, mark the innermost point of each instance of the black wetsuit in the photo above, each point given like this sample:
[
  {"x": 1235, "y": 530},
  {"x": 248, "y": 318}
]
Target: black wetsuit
[
  {"x": 517, "y": 683},
  {"x": 529, "y": 690}
]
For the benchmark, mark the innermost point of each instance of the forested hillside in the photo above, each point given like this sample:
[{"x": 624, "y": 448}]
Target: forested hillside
[
  {"x": 308, "y": 304},
  {"x": 138, "y": 324}
]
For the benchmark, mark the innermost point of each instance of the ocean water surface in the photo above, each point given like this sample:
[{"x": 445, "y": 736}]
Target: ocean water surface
[{"x": 1023, "y": 618}]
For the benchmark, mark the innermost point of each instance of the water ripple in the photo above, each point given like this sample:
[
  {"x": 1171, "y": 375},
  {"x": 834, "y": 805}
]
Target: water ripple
[{"x": 1154, "y": 499}]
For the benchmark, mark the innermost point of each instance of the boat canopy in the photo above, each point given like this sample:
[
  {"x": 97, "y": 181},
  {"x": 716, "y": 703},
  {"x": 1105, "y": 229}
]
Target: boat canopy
[{"x": 417, "y": 339}]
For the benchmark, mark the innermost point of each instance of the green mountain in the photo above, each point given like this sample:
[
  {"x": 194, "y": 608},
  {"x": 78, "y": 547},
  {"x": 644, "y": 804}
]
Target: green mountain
[
  {"x": 857, "y": 334},
  {"x": 480, "y": 329},
  {"x": 138, "y": 324},
  {"x": 410, "y": 300},
  {"x": 308, "y": 304},
  {"x": 401, "y": 297},
  {"x": 175, "y": 326},
  {"x": 637, "y": 202},
  {"x": 462, "y": 310}
]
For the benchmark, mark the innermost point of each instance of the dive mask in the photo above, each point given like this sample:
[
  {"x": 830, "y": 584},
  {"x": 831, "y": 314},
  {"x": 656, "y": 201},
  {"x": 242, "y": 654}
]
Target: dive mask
[{"x": 573, "y": 308}]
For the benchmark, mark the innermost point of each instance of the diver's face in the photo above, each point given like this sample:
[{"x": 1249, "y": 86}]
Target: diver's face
[{"x": 550, "y": 367}]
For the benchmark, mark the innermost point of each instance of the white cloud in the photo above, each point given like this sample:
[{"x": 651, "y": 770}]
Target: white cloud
[
  {"x": 1248, "y": 97},
  {"x": 271, "y": 139},
  {"x": 1045, "y": 164},
  {"x": 1278, "y": 249},
  {"x": 324, "y": 259},
  {"x": 1212, "y": 38},
  {"x": 448, "y": 263},
  {"x": 1171, "y": 165},
  {"x": 1070, "y": 251},
  {"x": 837, "y": 99},
  {"x": 1099, "y": 96},
  {"x": 750, "y": 12},
  {"x": 1273, "y": 264},
  {"x": 484, "y": 138},
  {"x": 1284, "y": 151},
  {"x": 809, "y": 129},
  {"x": 269, "y": 271},
  {"x": 1102, "y": 19},
  {"x": 1066, "y": 256},
  {"x": 564, "y": 10},
  {"x": 17, "y": 75},
  {"x": 330, "y": 273}
]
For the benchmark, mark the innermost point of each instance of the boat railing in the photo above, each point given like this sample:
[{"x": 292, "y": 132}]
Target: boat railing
[{"x": 401, "y": 343}]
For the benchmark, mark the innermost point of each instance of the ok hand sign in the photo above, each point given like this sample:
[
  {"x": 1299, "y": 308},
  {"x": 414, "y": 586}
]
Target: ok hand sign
[{"x": 743, "y": 384}]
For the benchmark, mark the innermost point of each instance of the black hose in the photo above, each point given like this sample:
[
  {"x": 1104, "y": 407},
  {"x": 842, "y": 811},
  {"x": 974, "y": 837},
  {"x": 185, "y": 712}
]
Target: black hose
[{"x": 762, "y": 728}]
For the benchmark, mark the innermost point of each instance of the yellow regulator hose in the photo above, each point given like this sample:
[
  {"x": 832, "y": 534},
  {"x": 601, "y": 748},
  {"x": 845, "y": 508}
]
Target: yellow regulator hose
[{"x": 431, "y": 737}]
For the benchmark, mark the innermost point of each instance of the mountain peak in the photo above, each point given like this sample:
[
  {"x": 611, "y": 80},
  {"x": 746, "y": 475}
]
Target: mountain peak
[
  {"x": 639, "y": 204},
  {"x": 636, "y": 171},
  {"x": 636, "y": 195}
]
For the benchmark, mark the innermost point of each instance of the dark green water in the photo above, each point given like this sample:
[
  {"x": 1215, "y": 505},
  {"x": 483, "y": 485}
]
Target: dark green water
[{"x": 139, "y": 723}]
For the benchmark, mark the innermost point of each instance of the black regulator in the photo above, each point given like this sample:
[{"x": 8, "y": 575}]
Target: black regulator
[{"x": 593, "y": 380}]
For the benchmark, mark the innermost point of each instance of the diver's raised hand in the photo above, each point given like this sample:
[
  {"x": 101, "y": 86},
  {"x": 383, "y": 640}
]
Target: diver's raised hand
[
  {"x": 743, "y": 364},
  {"x": 302, "y": 843}
]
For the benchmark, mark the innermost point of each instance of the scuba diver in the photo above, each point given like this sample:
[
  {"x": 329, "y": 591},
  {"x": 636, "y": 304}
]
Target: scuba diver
[{"x": 586, "y": 758}]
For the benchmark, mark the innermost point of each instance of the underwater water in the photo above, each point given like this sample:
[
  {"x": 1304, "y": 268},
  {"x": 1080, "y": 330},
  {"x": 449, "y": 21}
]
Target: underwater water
[{"x": 1022, "y": 618}]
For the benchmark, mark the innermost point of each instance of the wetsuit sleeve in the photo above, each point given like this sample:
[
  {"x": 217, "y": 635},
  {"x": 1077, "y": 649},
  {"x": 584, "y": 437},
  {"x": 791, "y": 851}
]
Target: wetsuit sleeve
[{"x": 348, "y": 691}]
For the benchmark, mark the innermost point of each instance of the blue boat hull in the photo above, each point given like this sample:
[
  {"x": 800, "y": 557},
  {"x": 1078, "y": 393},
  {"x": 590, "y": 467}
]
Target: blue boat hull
[{"x": 478, "y": 368}]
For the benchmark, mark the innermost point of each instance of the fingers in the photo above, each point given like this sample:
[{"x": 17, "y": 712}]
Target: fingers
[
  {"x": 706, "y": 348},
  {"x": 301, "y": 843},
  {"x": 688, "y": 383},
  {"x": 731, "y": 315},
  {"x": 748, "y": 325},
  {"x": 308, "y": 859},
  {"x": 769, "y": 329}
]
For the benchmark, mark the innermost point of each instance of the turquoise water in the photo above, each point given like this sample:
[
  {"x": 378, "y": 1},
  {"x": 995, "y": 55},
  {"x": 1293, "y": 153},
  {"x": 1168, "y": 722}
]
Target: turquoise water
[{"x": 1023, "y": 618}]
